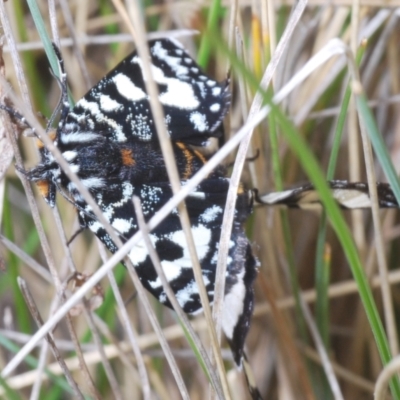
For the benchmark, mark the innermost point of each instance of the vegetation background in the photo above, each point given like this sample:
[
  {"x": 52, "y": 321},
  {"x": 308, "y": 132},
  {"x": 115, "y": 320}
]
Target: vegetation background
[{"x": 318, "y": 331}]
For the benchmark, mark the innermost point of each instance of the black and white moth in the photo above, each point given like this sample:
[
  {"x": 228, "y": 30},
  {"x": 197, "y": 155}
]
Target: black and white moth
[{"x": 110, "y": 142}]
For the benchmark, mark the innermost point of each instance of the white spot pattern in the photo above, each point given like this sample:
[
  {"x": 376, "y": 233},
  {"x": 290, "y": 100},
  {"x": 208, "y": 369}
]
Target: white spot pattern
[
  {"x": 93, "y": 182},
  {"x": 184, "y": 295},
  {"x": 74, "y": 168},
  {"x": 138, "y": 253},
  {"x": 199, "y": 121},
  {"x": 69, "y": 155},
  {"x": 201, "y": 236},
  {"x": 173, "y": 62},
  {"x": 216, "y": 91},
  {"x": 126, "y": 88},
  {"x": 94, "y": 109},
  {"x": 210, "y": 214},
  {"x": 141, "y": 128},
  {"x": 78, "y": 137},
  {"x": 233, "y": 306},
  {"x": 108, "y": 104},
  {"x": 215, "y": 107},
  {"x": 122, "y": 225},
  {"x": 178, "y": 94}
]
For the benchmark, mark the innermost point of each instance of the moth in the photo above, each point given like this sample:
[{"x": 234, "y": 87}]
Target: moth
[{"x": 109, "y": 140}]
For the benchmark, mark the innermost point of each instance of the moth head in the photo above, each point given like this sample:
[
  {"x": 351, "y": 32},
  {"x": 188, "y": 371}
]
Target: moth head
[
  {"x": 47, "y": 189},
  {"x": 44, "y": 178}
]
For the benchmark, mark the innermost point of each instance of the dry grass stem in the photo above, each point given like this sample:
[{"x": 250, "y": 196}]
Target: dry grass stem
[
  {"x": 384, "y": 377},
  {"x": 326, "y": 363},
  {"x": 122, "y": 311},
  {"x": 38, "y": 319}
]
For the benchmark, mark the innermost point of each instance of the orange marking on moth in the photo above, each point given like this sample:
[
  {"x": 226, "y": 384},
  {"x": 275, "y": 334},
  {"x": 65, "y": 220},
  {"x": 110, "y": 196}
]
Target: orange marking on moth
[
  {"x": 201, "y": 156},
  {"x": 127, "y": 158},
  {"x": 52, "y": 136},
  {"x": 189, "y": 160},
  {"x": 43, "y": 187}
]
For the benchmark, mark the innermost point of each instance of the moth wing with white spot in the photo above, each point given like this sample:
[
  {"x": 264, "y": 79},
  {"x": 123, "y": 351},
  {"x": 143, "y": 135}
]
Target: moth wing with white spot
[
  {"x": 118, "y": 106},
  {"x": 205, "y": 207}
]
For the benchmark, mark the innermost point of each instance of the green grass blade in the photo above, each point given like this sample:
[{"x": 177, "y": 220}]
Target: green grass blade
[
  {"x": 378, "y": 144},
  {"x": 47, "y": 43},
  {"x": 294, "y": 281},
  {"x": 44, "y": 37},
  {"x": 214, "y": 14},
  {"x": 321, "y": 272}
]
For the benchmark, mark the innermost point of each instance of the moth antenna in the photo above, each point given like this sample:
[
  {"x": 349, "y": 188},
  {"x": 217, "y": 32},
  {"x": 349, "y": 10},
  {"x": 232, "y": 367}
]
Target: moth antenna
[{"x": 348, "y": 195}]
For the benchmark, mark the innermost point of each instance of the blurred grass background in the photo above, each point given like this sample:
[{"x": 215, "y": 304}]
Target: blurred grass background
[{"x": 293, "y": 252}]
